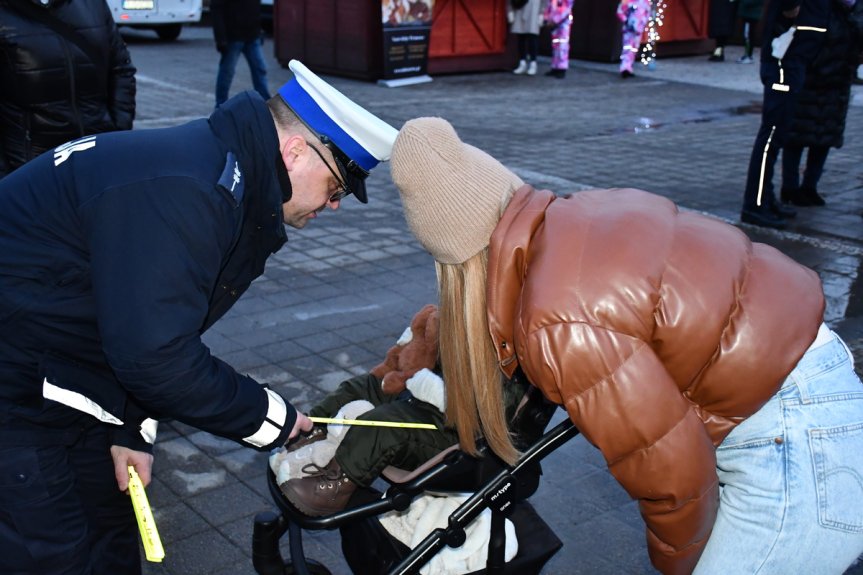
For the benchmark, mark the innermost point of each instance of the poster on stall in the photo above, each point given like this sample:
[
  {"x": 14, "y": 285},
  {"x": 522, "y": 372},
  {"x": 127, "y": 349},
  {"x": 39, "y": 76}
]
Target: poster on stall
[{"x": 407, "y": 29}]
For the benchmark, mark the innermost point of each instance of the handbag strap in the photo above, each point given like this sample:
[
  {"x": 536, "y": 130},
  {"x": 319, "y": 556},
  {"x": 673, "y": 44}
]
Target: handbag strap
[{"x": 39, "y": 14}]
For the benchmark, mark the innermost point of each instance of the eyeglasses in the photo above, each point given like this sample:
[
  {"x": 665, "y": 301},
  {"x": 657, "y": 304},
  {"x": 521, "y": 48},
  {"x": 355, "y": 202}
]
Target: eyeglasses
[{"x": 343, "y": 190}]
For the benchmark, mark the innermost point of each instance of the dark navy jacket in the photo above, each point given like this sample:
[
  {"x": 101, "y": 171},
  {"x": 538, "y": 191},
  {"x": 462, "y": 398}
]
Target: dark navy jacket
[{"x": 117, "y": 252}]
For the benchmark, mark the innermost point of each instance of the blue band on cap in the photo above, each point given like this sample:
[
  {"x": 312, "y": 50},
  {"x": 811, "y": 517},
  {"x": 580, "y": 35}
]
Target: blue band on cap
[{"x": 312, "y": 114}]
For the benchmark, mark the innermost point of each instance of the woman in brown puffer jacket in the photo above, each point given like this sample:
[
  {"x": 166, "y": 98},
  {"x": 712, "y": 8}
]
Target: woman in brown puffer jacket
[
  {"x": 55, "y": 86},
  {"x": 694, "y": 359}
]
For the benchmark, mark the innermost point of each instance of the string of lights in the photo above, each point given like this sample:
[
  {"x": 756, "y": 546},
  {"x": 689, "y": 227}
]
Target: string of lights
[{"x": 657, "y": 16}]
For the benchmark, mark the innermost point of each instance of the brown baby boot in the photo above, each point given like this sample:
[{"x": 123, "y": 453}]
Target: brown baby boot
[{"x": 325, "y": 490}]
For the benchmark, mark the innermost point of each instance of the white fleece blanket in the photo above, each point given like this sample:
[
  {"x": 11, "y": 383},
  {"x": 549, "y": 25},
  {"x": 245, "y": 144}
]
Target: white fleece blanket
[{"x": 429, "y": 512}]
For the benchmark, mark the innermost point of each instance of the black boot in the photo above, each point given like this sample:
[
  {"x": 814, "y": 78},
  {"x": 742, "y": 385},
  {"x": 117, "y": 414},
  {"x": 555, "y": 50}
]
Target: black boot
[
  {"x": 762, "y": 217},
  {"x": 783, "y": 210},
  {"x": 810, "y": 197}
]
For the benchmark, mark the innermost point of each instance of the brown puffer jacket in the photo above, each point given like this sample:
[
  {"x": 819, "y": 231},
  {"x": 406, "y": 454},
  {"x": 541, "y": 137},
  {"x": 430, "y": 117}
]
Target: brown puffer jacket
[{"x": 657, "y": 330}]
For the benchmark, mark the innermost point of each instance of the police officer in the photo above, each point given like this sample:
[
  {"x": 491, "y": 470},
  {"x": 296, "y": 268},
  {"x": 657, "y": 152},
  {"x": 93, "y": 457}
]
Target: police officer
[
  {"x": 117, "y": 251},
  {"x": 782, "y": 75}
]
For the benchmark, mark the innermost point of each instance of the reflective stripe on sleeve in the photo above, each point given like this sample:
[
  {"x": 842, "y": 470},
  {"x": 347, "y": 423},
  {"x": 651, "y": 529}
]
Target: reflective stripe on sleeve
[
  {"x": 272, "y": 426},
  {"x": 77, "y": 401},
  {"x": 149, "y": 427}
]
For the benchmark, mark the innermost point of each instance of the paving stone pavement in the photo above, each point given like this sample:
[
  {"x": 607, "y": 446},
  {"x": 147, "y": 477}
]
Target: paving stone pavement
[{"x": 342, "y": 290}]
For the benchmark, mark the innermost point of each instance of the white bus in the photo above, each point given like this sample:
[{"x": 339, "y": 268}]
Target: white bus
[{"x": 166, "y": 17}]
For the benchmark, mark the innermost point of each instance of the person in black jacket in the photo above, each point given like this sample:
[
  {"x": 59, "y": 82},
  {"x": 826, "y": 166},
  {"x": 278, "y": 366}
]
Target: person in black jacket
[
  {"x": 782, "y": 74},
  {"x": 117, "y": 252},
  {"x": 237, "y": 30},
  {"x": 64, "y": 73},
  {"x": 819, "y": 117}
]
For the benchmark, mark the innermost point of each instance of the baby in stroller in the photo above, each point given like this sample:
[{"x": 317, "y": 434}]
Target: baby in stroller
[
  {"x": 319, "y": 472},
  {"x": 326, "y": 475}
]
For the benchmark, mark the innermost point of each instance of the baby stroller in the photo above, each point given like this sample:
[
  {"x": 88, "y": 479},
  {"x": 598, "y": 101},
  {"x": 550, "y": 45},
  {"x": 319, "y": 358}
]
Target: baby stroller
[{"x": 370, "y": 549}]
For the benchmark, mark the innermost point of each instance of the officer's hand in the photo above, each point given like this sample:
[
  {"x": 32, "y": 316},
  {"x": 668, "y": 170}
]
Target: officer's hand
[
  {"x": 302, "y": 425},
  {"x": 124, "y": 457}
]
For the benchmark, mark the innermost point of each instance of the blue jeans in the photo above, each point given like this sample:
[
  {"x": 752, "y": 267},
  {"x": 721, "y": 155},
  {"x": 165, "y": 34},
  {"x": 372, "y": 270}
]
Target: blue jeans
[
  {"x": 228, "y": 65},
  {"x": 791, "y": 476}
]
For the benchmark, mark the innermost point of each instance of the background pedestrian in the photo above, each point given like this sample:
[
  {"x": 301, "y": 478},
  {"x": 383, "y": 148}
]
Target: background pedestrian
[
  {"x": 822, "y": 107},
  {"x": 237, "y": 30},
  {"x": 525, "y": 22},
  {"x": 634, "y": 15},
  {"x": 558, "y": 17},
  {"x": 65, "y": 72}
]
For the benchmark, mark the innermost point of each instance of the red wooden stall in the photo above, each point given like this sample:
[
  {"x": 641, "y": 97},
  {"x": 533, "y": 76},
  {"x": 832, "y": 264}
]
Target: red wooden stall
[{"x": 345, "y": 37}]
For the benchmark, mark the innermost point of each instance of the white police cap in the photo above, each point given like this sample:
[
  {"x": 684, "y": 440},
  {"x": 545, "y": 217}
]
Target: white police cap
[{"x": 358, "y": 139}]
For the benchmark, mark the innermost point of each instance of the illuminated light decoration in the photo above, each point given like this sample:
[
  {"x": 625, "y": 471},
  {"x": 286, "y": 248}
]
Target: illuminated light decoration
[{"x": 657, "y": 17}]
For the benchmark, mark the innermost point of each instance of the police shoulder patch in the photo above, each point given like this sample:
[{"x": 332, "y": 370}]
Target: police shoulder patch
[{"x": 232, "y": 178}]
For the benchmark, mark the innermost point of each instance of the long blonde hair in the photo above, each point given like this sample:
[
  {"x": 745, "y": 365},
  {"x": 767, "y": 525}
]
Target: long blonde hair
[{"x": 474, "y": 383}]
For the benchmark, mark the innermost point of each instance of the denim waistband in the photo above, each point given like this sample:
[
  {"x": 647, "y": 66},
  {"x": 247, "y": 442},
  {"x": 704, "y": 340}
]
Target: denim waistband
[{"x": 826, "y": 353}]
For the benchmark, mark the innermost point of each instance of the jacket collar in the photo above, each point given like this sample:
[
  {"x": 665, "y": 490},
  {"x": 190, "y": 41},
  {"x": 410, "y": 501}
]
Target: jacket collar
[
  {"x": 245, "y": 125},
  {"x": 507, "y": 264}
]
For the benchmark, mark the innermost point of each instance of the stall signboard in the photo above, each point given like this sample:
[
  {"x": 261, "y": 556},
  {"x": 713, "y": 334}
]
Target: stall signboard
[{"x": 407, "y": 30}]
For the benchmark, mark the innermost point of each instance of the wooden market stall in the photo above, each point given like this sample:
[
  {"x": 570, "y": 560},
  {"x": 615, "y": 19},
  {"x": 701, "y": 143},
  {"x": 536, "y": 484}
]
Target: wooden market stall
[{"x": 346, "y": 37}]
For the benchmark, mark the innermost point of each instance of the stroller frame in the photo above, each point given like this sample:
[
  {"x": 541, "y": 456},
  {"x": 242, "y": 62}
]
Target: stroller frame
[{"x": 501, "y": 487}]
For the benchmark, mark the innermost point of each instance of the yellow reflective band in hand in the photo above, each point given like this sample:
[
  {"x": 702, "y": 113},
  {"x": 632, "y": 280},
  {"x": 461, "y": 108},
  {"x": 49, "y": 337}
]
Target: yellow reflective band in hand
[
  {"x": 146, "y": 524},
  {"x": 372, "y": 423}
]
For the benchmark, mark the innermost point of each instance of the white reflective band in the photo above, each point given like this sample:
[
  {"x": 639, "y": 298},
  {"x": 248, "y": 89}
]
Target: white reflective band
[
  {"x": 77, "y": 401},
  {"x": 276, "y": 411},
  {"x": 265, "y": 435},
  {"x": 812, "y": 28},
  {"x": 272, "y": 426},
  {"x": 781, "y": 87},
  {"x": 149, "y": 427}
]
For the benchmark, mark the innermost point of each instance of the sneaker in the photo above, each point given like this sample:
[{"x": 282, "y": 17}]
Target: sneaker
[
  {"x": 324, "y": 491},
  {"x": 718, "y": 55},
  {"x": 745, "y": 60},
  {"x": 522, "y": 67},
  {"x": 531, "y": 68},
  {"x": 556, "y": 73},
  {"x": 317, "y": 433},
  {"x": 626, "y": 74}
]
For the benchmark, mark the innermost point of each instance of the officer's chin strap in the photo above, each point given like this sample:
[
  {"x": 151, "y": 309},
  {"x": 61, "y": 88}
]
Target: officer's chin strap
[{"x": 284, "y": 179}]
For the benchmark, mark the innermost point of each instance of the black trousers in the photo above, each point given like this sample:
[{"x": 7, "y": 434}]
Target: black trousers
[
  {"x": 782, "y": 81},
  {"x": 61, "y": 512}
]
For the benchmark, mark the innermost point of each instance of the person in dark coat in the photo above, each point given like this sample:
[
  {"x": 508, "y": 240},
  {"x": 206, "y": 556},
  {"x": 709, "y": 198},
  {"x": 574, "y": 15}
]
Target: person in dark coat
[
  {"x": 819, "y": 118},
  {"x": 783, "y": 73},
  {"x": 721, "y": 19},
  {"x": 117, "y": 252},
  {"x": 56, "y": 87},
  {"x": 237, "y": 30}
]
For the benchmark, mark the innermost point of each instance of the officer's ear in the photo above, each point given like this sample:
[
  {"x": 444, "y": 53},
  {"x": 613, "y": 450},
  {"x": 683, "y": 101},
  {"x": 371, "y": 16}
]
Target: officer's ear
[{"x": 294, "y": 151}]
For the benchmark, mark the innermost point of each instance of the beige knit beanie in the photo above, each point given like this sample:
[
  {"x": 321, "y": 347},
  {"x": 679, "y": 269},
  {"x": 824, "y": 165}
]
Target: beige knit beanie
[{"x": 452, "y": 193}]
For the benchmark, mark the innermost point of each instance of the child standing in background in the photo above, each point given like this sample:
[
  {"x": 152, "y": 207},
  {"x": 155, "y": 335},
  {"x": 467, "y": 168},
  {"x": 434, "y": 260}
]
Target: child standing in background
[
  {"x": 558, "y": 15},
  {"x": 634, "y": 15}
]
